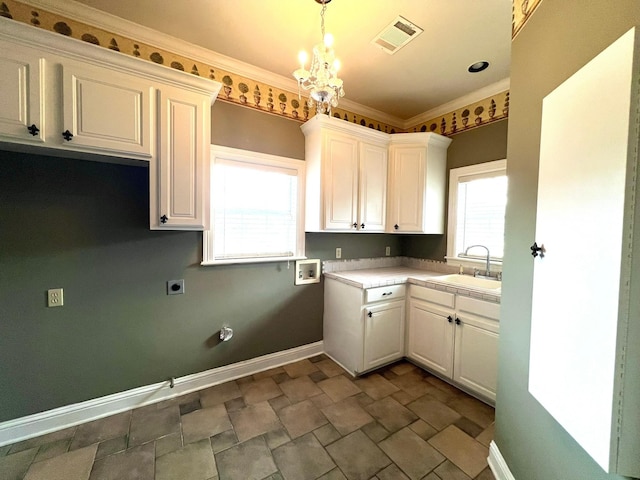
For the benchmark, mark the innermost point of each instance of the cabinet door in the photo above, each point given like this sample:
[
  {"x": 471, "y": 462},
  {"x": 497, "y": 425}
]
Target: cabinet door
[
  {"x": 430, "y": 338},
  {"x": 384, "y": 334},
  {"x": 407, "y": 189},
  {"x": 22, "y": 100},
  {"x": 372, "y": 188},
  {"x": 107, "y": 112},
  {"x": 476, "y": 356},
  {"x": 340, "y": 187},
  {"x": 182, "y": 198}
]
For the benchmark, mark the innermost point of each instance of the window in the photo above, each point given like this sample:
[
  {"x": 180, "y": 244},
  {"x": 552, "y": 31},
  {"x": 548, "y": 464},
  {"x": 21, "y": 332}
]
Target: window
[
  {"x": 257, "y": 205},
  {"x": 477, "y": 201}
]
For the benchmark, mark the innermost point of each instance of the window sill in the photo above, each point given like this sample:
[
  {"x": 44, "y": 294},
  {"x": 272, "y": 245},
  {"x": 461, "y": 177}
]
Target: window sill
[{"x": 244, "y": 261}]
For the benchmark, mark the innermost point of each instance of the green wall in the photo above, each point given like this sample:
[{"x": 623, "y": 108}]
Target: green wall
[
  {"x": 467, "y": 148},
  {"x": 560, "y": 37}
]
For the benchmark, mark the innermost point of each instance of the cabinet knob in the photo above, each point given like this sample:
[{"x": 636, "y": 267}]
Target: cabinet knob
[
  {"x": 163, "y": 219},
  {"x": 33, "y": 130},
  {"x": 396, "y": 226},
  {"x": 537, "y": 250},
  {"x": 67, "y": 135},
  {"x": 355, "y": 225},
  {"x": 362, "y": 225},
  {"x": 458, "y": 322},
  {"x": 370, "y": 314},
  {"x": 450, "y": 319}
]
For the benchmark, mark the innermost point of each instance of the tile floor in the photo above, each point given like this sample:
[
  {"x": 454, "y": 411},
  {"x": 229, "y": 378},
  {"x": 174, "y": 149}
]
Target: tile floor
[{"x": 306, "y": 420}]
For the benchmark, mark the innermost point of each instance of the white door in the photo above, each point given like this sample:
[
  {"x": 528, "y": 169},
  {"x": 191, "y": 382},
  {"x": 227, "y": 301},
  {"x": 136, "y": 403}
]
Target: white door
[
  {"x": 107, "y": 112},
  {"x": 373, "y": 188},
  {"x": 383, "y": 334},
  {"x": 430, "y": 338},
  {"x": 340, "y": 182},
  {"x": 22, "y": 99},
  {"x": 407, "y": 189},
  {"x": 476, "y": 355},
  {"x": 182, "y": 180}
]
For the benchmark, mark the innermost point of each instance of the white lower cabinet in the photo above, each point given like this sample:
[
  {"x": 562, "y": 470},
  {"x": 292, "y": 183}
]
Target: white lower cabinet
[
  {"x": 363, "y": 328},
  {"x": 456, "y": 337}
]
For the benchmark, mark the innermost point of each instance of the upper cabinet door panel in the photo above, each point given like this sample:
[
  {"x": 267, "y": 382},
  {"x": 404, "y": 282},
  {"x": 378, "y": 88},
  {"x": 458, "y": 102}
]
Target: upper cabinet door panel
[
  {"x": 107, "y": 111},
  {"x": 341, "y": 182},
  {"x": 373, "y": 188},
  {"x": 409, "y": 188},
  {"x": 22, "y": 101}
]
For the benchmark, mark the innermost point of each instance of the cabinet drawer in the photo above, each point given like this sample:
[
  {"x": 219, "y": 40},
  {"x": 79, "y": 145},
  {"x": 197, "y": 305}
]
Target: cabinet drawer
[
  {"x": 391, "y": 292},
  {"x": 479, "y": 307},
  {"x": 434, "y": 296}
]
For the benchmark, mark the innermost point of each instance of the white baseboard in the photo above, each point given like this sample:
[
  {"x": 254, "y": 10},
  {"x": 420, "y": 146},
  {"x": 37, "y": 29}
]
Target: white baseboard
[
  {"x": 63, "y": 417},
  {"x": 497, "y": 463}
]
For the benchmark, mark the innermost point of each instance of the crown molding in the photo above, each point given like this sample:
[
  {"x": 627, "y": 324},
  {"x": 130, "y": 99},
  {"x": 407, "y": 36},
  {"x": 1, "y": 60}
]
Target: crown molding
[{"x": 460, "y": 102}]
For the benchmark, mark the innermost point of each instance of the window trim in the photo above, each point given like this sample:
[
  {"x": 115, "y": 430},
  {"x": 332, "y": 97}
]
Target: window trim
[
  {"x": 485, "y": 169},
  {"x": 264, "y": 159}
]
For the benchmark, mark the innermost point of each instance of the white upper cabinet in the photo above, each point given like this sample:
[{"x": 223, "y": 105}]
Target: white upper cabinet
[
  {"x": 417, "y": 178},
  {"x": 346, "y": 176}
]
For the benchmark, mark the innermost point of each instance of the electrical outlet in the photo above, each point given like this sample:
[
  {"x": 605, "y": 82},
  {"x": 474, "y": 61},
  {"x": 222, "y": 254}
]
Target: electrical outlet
[
  {"x": 338, "y": 252},
  {"x": 55, "y": 297},
  {"x": 175, "y": 287},
  {"x": 387, "y": 251}
]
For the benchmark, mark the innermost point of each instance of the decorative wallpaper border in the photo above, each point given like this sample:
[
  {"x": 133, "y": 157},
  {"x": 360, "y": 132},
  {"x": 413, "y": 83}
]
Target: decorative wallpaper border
[
  {"x": 522, "y": 11},
  {"x": 244, "y": 91}
]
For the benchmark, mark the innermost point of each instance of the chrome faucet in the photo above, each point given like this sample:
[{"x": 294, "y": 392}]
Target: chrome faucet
[{"x": 488, "y": 274}]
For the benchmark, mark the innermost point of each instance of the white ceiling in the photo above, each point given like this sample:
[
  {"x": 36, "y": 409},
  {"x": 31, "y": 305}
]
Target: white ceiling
[{"x": 428, "y": 72}]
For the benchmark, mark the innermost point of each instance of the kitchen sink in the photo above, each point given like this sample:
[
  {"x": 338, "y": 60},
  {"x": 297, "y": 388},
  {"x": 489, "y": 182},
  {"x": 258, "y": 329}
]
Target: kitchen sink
[{"x": 469, "y": 281}]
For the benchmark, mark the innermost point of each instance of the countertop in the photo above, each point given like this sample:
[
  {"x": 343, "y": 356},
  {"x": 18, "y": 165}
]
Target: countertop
[{"x": 379, "y": 277}]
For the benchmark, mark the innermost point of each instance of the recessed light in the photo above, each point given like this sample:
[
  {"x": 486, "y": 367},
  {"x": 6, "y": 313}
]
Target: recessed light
[{"x": 478, "y": 67}]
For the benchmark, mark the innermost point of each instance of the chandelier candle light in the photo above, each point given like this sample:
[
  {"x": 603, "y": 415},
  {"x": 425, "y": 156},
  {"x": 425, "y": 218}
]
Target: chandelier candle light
[{"x": 322, "y": 77}]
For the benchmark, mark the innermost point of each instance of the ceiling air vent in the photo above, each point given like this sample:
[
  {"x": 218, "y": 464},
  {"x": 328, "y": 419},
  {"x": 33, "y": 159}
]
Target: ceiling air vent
[{"x": 396, "y": 35}]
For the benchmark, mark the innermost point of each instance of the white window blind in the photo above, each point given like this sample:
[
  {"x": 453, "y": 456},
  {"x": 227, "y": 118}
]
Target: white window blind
[{"x": 256, "y": 208}]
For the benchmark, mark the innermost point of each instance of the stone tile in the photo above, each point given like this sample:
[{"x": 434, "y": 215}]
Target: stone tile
[
  {"x": 244, "y": 380},
  {"x": 300, "y": 389},
  {"x": 275, "y": 476},
  {"x": 254, "y": 420},
  {"x": 318, "y": 358},
  {"x": 279, "y": 403},
  {"x": 250, "y": 460},
  {"x": 423, "y": 429},
  {"x": 281, "y": 377},
  {"x": 443, "y": 386},
  {"x": 149, "y": 424},
  {"x": 74, "y": 465},
  {"x": 357, "y": 456},
  {"x": 219, "y": 394},
  {"x": 111, "y": 446},
  {"x": 65, "y": 434},
  {"x": 467, "y": 426},
  {"x": 194, "y": 461},
  {"x": 448, "y": 471},
  {"x": 465, "y": 452},
  {"x": 205, "y": 423},
  {"x": 402, "y": 397},
  {"x": 376, "y": 386},
  {"x": 363, "y": 399},
  {"x": 435, "y": 413},
  {"x": 412, "y": 454},
  {"x": 189, "y": 407},
  {"x": 321, "y": 400},
  {"x": 487, "y": 435},
  {"x": 235, "y": 404},
  {"x": 4, "y": 450},
  {"x": 438, "y": 393},
  {"x": 388, "y": 374},
  {"x": 223, "y": 440},
  {"x": 334, "y": 474},
  {"x": 326, "y": 434},
  {"x": 303, "y": 459},
  {"x": 318, "y": 376},
  {"x": 412, "y": 383},
  {"x": 137, "y": 463},
  {"x": 300, "y": 369},
  {"x": 432, "y": 476},
  {"x": 101, "y": 430},
  {"x": 338, "y": 388},
  {"x": 403, "y": 368},
  {"x": 375, "y": 431},
  {"x": 392, "y": 472},
  {"x": 390, "y": 414},
  {"x": 260, "y": 390},
  {"x": 347, "y": 415},
  {"x": 168, "y": 444},
  {"x": 473, "y": 409},
  {"x": 53, "y": 449},
  {"x": 268, "y": 373},
  {"x": 301, "y": 418},
  {"x": 15, "y": 465},
  {"x": 330, "y": 368},
  {"x": 486, "y": 474},
  {"x": 179, "y": 400},
  {"x": 275, "y": 438}
]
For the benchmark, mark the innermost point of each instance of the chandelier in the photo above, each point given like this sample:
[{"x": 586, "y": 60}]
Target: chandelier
[{"x": 325, "y": 88}]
